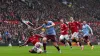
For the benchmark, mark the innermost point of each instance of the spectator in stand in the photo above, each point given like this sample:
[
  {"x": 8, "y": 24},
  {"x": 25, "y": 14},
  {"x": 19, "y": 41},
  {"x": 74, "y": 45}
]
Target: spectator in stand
[{"x": 88, "y": 10}]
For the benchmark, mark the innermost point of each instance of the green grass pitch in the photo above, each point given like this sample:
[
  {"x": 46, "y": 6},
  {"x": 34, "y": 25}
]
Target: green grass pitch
[{"x": 66, "y": 51}]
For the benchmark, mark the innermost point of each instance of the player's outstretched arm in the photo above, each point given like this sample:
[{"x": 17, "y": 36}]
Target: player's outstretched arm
[
  {"x": 90, "y": 29},
  {"x": 38, "y": 28},
  {"x": 27, "y": 41}
]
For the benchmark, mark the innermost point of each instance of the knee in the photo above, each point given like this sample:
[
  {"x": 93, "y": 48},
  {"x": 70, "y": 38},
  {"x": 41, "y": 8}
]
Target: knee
[
  {"x": 55, "y": 44},
  {"x": 44, "y": 39}
]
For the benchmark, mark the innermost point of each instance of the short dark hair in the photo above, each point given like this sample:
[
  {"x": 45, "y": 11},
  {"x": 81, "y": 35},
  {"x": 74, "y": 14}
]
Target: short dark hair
[{"x": 31, "y": 32}]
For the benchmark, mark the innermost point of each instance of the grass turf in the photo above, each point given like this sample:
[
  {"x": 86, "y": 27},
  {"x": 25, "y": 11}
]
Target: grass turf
[{"x": 66, "y": 51}]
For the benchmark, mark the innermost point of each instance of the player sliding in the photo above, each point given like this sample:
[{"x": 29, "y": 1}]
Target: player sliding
[
  {"x": 64, "y": 33},
  {"x": 74, "y": 26},
  {"x": 86, "y": 29},
  {"x": 34, "y": 39},
  {"x": 50, "y": 34}
]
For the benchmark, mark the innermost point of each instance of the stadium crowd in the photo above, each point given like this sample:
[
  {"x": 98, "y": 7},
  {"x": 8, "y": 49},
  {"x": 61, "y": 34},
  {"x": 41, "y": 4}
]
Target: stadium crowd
[{"x": 36, "y": 10}]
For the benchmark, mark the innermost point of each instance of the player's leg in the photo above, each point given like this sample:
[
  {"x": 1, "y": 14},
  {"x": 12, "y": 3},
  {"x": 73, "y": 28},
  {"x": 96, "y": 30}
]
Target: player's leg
[
  {"x": 36, "y": 48},
  {"x": 36, "y": 51},
  {"x": 67, "y": 39},
  {"x": 38, "y": 44},
  {"x": 33, "y": 50},
  {"x": 70, "y": 44},
  {"x": 57, "y": 47},
  {"x": 44, "y": 44},
  {"x": 81, "y": 40},
  {"x": 80, "y": 43},
  {"x": 86, "y": 38},
  {"x": 92, "y": 47},
  {"x": 61, "y": 39},
  {"x": 78, "y": 40},
  {"x": 9, "y": 41},
  {"x": 54, "y": 40},
  {"x": 74, "y": 37}
]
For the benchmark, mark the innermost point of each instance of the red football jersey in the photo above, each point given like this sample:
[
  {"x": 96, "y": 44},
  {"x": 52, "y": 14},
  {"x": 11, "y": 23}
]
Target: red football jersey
[
  {"x": 33, "y": 39},
  {"x": 64, "y": 29},
  {"x": 74, "y": 26}
]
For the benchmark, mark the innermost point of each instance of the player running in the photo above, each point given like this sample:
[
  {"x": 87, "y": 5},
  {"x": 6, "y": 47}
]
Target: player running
[
  {"x": 64, "y": 33},
  {"x": 87, "y": 31},
  {"x": 34, "y": 39},
  {"x": 50, "y": 34},
  {"x": 74, "y": 26}
]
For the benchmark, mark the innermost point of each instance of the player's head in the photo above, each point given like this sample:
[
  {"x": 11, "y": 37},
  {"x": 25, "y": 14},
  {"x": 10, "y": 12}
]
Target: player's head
[
  {"x": 45, "y": 21},
  {"x": 31, "y": 33},
  {"x": 71, "y": 19},
  {"x": 62, "y": 20},
  {"x": 84, "y": 22}
]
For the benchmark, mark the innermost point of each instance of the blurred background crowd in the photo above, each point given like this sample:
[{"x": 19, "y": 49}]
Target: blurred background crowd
[{"x": 13, "y": 11}]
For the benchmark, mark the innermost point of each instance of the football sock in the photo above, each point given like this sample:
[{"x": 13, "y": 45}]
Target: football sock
[
  {"x": 70, "y": 43},
  {"x": 90, "y": 44},
  {"x": 44, "y": 46},
  {"x": 80, "y": 44},
  {"x": 57, "y": 48}
]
